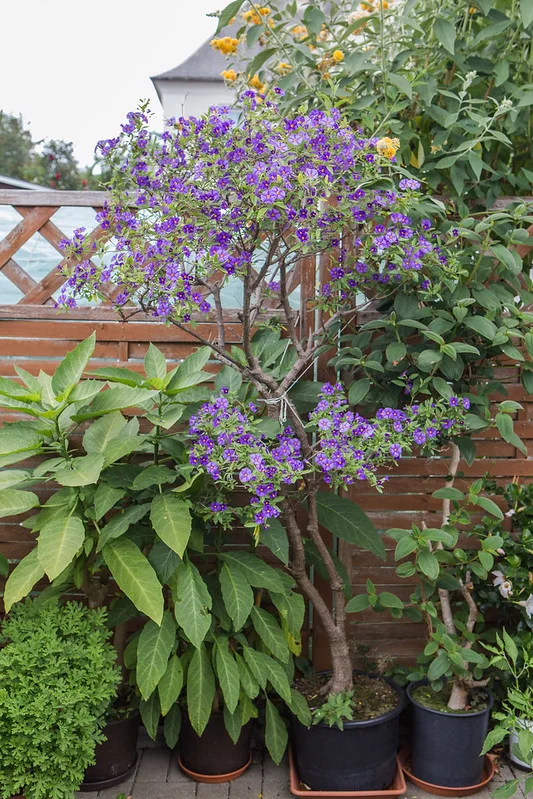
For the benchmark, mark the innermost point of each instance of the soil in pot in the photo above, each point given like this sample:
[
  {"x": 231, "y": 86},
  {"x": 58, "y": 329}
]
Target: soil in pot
[
  {"x": 361, "y": 756},
  {"x": 213, "y": 753},
  {"x": 116, "y": 756},
  {"x": 446, "y": 745}
]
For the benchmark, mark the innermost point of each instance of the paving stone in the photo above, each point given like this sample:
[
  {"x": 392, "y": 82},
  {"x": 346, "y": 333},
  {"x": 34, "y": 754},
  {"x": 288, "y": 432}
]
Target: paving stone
[
  {"x": 80, "y": 795},
  {"x": 218, "y": 791},
  {"x": 276, "y": 779},
  {"x": 154, "y": 766},
  {"x": 250, "y": 785},
  {"x": 151, "y": 790},
  {"x": 175, "y": 774}
]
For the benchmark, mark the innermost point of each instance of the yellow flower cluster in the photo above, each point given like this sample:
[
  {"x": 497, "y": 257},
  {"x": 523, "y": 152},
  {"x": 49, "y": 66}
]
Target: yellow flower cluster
[
  {"x": 325, "y": 63},
  {"x": 253, "y": 17},
  {"x": 257, "y": 83},
  {"x": 387, "y": 147},
  {"x": 229, "y": 75},
  {"x": 299, "y": 32},
  {"x": 338, "y": 56},
  {"x": 226, "y": 46},
  {"x": 283, "y": 68}
]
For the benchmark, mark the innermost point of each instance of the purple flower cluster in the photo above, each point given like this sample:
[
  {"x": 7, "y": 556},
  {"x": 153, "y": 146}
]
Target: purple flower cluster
[
  {"x": 227, "y": 445},
  {"x": 351, "y": 448},
  {"x": 202, "y": 201}
]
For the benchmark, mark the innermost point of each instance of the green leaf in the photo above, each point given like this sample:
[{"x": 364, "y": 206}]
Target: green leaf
[
  {"x": 358, "y": 603},
  {"x": 71, "y": 368},
  {"x": 227, "y": 14},
  {"x": 117, "y": 374},
  {"x": 14, "y": 501},
  {"x": 388, "y": 600},
  {"x": 480, "y": 325},
  {"x": 59, "y": 542},
  {"x": 276, "y": 736},
  {"x": 358, "y": 391},
  {"x": 150, "y": 711},
  {"x": 428, "y": 564},
  {"x": 275, "y": 538},
  {"x": 22, "y": 579},
  {"x": 227, "y": 672},
  {"x": 228, "y": 378},
  {"x": 170, "y": 684},
  {"x": 153, "y": 476},
  {"x": 405, "y": 546},
  {"x": 270, "y": 633},
  {"x": 346, "y": 520},
  {"x": 401, "y": 83},
  {"x": 155, "y": 645},
  {"x": 164, "y": 560},
  {"x": 121, "y": 522},
  {"x": 81, "y": 471},
  {"x": 509, "y": 258},
  {"x": 445, "y": 33},
  {"x": 526, "y": 12},
  {"x": 300, "y": 708},
  {"x": 102, "y": 431},
  {"x": 172, "y": 726},
  {"x": 261, "y": 58},
  {"x": 192, "y": 602},
  {"x": 467, "y": 448},
  {"x": 428, "y": 358},
  {"x": 200, "y": 689},
  {"x": 505, "y": 426},
  {"x": 233, "y": 723},
  {"x": 114, "y": 399},
  {"x": 105, "y": 498},
  {"x": 448, "y": 493},
  {"x": 236, "y": 592},
  {"x": 12, "y": 477},
  {"x": 171, "y": 519},
  {"x": 442, "y": 387},
  {"x": 506, "y": 790},
  {"x": 257, "y": 572},
  {"x": 18, "y": 439},
  {"x": 249, "y": 684},
  {"x": 490, "y": 506},
  {"x": 155, "y": 364},
  {"x": 439, "y": 666},
  {"x": 135, "y": 576},
  {"x": 265, "y": 668},
  {"x": 121, "y": 447}
]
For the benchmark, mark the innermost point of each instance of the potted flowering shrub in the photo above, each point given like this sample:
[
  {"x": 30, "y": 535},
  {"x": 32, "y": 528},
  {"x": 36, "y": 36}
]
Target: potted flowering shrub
[{"x": 218, "y": 202}]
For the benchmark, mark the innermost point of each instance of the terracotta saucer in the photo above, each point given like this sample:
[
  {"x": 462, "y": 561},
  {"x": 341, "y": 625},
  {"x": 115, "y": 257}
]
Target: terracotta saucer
[
  {"x": 440, "y": 790},
  {"x": 214, "y": 778}
]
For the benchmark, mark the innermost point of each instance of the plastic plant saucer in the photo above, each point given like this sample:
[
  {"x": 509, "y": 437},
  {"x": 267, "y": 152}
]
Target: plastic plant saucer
[
  {"x": 441, "y": 790},
  {"x": 214, "y": 778}
]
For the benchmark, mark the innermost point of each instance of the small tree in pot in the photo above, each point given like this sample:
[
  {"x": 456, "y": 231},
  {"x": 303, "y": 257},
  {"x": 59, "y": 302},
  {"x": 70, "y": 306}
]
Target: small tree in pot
[{"x": 220, "y": 205}]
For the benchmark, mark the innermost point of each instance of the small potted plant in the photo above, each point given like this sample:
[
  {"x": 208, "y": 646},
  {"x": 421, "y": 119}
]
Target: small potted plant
[{"x": 57, "y": 677}]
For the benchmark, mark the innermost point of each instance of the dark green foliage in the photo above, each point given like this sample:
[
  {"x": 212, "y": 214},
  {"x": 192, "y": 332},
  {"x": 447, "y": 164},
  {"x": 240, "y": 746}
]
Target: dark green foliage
[{"x": 57, "y": 678}]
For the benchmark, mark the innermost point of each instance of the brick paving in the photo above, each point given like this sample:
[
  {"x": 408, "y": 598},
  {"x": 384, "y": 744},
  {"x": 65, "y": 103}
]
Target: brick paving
[{"x": 158, "y": 776}]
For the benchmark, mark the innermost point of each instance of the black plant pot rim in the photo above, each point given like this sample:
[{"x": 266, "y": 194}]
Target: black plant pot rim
[
  {"x": 391, "y": 714},
  {"x": 470, "y": 713},
  {"x": 123, "y": 720}
]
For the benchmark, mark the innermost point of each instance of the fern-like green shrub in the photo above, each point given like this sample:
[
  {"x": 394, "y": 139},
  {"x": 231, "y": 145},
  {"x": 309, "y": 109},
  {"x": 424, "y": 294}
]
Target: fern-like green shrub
[{"x": 57, "y": 678}]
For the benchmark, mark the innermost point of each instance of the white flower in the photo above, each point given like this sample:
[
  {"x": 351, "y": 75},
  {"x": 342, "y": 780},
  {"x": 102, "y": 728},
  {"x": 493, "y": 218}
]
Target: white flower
[
  {"x": 528, "y": 605},
  {"x": 505, "y": 586},
  {"x": 510, "y": 513}
]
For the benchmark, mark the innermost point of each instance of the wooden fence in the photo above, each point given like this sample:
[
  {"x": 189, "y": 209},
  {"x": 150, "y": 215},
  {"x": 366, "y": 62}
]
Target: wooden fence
[{"x": 35, "y": 335}]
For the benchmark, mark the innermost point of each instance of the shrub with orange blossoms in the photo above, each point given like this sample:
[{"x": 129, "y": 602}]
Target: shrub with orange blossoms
[
  {"x": 387, "y": 147},
  {"x": 227, "y": 45},
  {"x": 338, "y": 56},
  {"x": 283, "y": 68},
  {"x": 253, "y": 17},
  {"x": 257, "y": 83},
  {"x": 229, "y": 75},
  {"x": 299, "y": 32}
]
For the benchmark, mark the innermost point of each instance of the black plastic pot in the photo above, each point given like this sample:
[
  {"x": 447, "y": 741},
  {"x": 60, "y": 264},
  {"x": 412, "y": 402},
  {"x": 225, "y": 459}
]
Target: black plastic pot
[
  {"x": 361, "y": 757},
  {"x": 213, "y": 752},
  {"x": 445, "y": 747},
  {"x": 116, "y": 757}
]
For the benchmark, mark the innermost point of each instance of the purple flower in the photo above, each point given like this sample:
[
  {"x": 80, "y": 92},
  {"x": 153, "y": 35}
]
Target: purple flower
[
  {"x": 396, "y": 451},
  {"x": 245, "y": 475}
]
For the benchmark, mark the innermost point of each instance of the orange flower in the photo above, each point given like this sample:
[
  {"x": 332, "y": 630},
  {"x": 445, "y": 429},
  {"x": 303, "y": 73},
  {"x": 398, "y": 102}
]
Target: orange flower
[
  {"x": 387, "y": 147},
  {"x": 226, "y": 46},
  {"x": 338, "y": 56},
  {"x": 229, "y": 75}
]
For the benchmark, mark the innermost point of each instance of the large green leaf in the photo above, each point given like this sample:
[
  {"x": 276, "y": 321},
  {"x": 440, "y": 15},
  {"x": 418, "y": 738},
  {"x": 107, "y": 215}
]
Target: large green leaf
[
  {"x": 164, "y": 561},
  {"x": 276, "y": 735},
  {"x": 105, "y": 498},
  {"x": 155, "y": 645},
  {"x": 200, "y": 689},
  {"x": 12, "y": 477},
  {"x": 150, "y": 711},
  {"x": 275, "y": 538},
  {"x": 236, "y": 592},
  {"x": 172, "y": 726},
  {"x": 257, "y": 572},
  {"x": 18, "y": 439},
  {"x": 250, "y": 686},
  {"x": 71, "y": 368},
  {"x": 233, "y": 723},
  {"x": 14, "y": 501},
  {"x": 115, "y": 399},
  {"x": 171, "y": 520},
  {"x": 170, "y": 684},
  {"x": 135, "y": 577},
  {"x": 445, "y": 33},
  {"x": 155, "y": 364},
  {"x": 102, "y": 431},
  {"x": 192, "y": 602},
  {"x": 153, "y": 476},
  {"x": 116, "y": 374},
  {"x": 121, "y": 522},
  {"x": 59, "y": 542},
  {"x": 348, "y": 521},
  {"x": 121, "y": 447},
  {"x": 22, "y": 579},
  {"x": 227, "y": 672},
  {"x": 81, "y": 471},
  {"x": 270, "y": 633},
  {"x": 265, "y": 668}
]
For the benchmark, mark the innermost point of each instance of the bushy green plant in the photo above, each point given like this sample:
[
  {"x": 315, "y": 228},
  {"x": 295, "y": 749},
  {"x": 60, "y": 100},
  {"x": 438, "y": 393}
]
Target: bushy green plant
[
  {"x": 453, "y": 82},
  {"x": 57, "y": 677}
]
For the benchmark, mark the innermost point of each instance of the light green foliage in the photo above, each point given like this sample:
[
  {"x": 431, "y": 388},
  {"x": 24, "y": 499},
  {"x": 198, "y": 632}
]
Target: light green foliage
[
  {"x": 57, "y": 678},
  {"x": 335, "y": 710}
]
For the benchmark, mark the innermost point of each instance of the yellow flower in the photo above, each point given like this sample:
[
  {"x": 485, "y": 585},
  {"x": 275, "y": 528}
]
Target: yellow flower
[
  {"x": 367, "y": 6},
  {"x": 226, "y": 46},
  {"x": 229, "y": 74},
  {"x": 283, "y": 68},
  {"x": 338, "y": 56},
  {"x": 255, "y": 17},
  {"x": 265, "y": 11},
  {"x": 472, "y": 10},
  {"x": 387, "y": 147},
  {"x": 256, "y": 83},
  {"x": 299, "y": 32}
]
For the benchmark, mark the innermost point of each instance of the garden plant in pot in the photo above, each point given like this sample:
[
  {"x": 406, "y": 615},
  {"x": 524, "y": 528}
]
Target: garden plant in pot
[
  {"x": 266, "y": 189},
  {"x": 57, "y": 677}
]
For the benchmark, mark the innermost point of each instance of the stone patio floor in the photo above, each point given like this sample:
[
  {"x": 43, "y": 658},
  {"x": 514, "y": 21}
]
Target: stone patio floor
[{"x": 158, "y": 776}]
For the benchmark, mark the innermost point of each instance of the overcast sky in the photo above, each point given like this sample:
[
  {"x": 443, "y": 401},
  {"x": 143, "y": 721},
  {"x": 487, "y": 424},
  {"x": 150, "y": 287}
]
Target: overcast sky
[{"x": 74, "y": 68}]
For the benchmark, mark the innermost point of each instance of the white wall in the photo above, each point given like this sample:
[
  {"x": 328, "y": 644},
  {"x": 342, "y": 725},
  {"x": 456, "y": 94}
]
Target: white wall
[{"x": 192, "y": 98}]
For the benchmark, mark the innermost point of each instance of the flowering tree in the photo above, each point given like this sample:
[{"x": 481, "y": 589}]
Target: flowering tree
[{"x": 212, "y": 204}]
